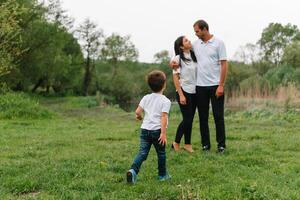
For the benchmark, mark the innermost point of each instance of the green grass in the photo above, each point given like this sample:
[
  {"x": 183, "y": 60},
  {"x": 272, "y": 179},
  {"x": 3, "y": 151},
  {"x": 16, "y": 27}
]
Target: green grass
[{"x": 85, "y": 151}]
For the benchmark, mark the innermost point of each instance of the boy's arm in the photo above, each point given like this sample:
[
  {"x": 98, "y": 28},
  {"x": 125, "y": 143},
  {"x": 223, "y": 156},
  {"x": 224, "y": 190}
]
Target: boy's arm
[
  {"x": 163, "y": 134},
  {"x": 138, "y": 113}
]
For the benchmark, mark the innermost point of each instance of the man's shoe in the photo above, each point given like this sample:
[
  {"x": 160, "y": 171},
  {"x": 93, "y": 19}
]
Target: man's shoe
[
  {"x": 131, "y": 176},
  {"x": 221, "y": 150},
  {"x": 164, "y": 178},
  {"x": 205, "y": 148}
]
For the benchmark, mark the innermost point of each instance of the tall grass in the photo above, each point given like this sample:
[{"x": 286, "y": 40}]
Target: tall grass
[{"x": 21, "y": 105}]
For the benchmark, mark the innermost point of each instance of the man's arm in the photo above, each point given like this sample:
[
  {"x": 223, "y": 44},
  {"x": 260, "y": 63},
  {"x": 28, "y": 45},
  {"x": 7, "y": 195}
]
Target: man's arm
[
  {"x": 163, "y": 134},
  {"x": 224, "y": 68}
]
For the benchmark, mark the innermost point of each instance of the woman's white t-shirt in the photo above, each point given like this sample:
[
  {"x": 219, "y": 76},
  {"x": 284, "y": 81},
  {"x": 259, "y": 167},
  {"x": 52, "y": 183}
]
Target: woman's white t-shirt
[{"x": 187, "y": 72}]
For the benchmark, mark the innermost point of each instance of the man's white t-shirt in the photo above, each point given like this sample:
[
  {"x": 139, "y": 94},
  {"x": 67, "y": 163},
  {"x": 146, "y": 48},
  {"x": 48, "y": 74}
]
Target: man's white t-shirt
[
  {"x": 208, "y": 56},
  {"x": 187, "y": 73},
  {"x": 154, "y": 105}
]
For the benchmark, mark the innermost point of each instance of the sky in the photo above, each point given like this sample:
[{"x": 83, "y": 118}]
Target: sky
[{"x": 154, "y": 25}]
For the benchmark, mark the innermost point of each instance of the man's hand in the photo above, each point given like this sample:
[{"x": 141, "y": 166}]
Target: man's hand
[
  {"x": 220, "y": 91},
  {"x": 173, "y": 64},
  {"x": 162, "y": 139},
  {"x": 182, "y": 100}
]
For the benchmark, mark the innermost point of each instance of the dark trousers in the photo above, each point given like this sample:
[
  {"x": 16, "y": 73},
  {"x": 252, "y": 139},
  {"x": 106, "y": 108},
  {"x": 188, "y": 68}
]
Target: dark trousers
[
  {"x": 205, "y": 95},
  {"x": 188, "y": 112},
  {"x": 149, "y": 137}
]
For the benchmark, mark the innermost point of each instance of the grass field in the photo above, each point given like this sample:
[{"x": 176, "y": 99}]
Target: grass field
[{"x": 83, "y": 152}]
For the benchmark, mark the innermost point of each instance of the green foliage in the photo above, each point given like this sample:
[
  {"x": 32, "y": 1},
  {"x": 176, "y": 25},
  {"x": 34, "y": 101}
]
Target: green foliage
[
  {"x": 291, "y": 55},
  {"x": 237, "y": 72},
  {"x": 20, "y": 105},
  {"x": 282, "y": 75},
  {"x": 10, "y": 42},
  {"x": 255, "y": 86}
]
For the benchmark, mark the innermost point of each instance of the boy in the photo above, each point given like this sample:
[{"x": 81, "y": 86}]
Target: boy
[{"x": 153, "y": 130}]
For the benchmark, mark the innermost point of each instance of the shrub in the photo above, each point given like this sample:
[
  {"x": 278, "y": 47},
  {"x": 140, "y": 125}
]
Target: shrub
[{"x": 20, "y": 105}]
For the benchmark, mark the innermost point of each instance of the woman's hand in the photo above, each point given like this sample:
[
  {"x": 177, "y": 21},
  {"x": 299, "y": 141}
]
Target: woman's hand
[{"x": 182, "y": 100}]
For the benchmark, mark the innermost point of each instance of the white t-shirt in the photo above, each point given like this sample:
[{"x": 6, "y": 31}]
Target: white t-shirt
[
  {"x": 208, "y": 57},
  {"x": 187, "y": 73},
  {"x": 154, "y": 105}
]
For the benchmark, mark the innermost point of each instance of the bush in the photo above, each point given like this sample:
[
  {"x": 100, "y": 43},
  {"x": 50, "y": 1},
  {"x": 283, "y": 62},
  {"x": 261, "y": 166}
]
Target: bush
[{"x": 20, "y": 105}]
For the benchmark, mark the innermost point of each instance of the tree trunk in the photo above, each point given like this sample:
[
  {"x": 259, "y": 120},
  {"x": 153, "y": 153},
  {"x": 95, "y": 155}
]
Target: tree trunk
[
  {"x": 40, "y": 81},
  {"x": 87, "y": 77}
]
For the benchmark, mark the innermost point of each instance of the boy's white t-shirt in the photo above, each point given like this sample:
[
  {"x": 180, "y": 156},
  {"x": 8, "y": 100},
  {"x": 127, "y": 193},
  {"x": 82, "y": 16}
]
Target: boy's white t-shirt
[
  {"x": 188, "y": 72},
  {"x": 153, "y": 105}
]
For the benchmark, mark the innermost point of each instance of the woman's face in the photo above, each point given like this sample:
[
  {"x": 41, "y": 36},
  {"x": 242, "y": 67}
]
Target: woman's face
[{"x": 186, "y": 44}]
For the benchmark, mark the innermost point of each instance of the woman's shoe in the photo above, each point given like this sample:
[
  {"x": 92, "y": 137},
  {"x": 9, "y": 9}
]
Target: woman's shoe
[
  {"x": 188, "y": 148},
  {"x": 175, "y": 146}
]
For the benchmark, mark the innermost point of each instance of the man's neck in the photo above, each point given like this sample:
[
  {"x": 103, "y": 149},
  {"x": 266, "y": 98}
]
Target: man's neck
[{"x": 207, "y": 37}]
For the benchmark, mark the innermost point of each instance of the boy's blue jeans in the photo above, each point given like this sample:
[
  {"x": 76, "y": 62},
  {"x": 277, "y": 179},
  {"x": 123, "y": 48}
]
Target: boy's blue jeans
[{"x": 149, "y": 137}]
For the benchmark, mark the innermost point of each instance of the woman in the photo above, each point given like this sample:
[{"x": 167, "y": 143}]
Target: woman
[{"x": 184, "y": 79}]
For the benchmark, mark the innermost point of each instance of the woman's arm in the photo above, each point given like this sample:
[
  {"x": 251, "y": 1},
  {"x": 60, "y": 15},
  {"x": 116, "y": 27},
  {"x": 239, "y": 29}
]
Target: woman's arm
[{"x": 178, "y": 88}]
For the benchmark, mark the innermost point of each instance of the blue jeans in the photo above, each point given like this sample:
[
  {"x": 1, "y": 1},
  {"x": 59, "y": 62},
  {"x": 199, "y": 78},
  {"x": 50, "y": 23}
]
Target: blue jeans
[{"x": 149, "y": 137}]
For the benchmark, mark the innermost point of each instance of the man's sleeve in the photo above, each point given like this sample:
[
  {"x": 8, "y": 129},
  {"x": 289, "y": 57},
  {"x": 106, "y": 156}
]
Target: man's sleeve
[{"x": 222, "y": 51}]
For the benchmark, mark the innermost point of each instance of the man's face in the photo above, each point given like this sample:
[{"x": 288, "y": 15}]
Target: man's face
[{"x": 199, "y": 33}]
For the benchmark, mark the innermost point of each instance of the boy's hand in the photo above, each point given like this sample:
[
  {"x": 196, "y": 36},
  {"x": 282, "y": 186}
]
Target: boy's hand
[
  {"x": 138, "y": 117},
  {"x": 162, "y": 139}
]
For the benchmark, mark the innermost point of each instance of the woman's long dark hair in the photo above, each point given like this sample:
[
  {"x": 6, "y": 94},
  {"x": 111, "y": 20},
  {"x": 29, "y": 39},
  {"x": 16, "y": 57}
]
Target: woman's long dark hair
[{"x": 179, "y": 51}]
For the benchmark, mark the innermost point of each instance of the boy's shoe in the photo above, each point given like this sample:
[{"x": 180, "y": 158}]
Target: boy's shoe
[
  {"x": 131, "y": 176},
  {"x": 164, "y": 178},
  {"x": 221, "y": 150}
]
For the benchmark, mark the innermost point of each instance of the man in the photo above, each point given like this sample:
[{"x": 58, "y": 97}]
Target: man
[{"x": 211, "y": 74}]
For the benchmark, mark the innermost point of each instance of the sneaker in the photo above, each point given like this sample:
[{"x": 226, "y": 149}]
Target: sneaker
[
  {"x": 131, "y": 176},
  {"x": 221, "y": 150},
  {"x": 164, "y": 178},
  {"x": 205, "y": 148}
]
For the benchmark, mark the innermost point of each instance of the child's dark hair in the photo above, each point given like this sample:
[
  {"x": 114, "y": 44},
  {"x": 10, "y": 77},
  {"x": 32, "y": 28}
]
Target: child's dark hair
[
  {"x": 156, "y": 80},
  {"x": 179, "y": 51}
]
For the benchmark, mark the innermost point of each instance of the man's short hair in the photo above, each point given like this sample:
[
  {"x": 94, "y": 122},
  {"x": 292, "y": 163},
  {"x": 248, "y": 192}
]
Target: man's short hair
[
  {"x": 156, "y": 80},
  {"x": 202, "y": 24}
]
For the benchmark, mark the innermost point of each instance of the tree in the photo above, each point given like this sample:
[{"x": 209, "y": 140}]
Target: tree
[
  {"x": 90, "y": 37},
  {"x": 162, "y": 57},
  {"x": 275, "y": 38},
  {"x": 117, "y": 48},
  {"x": 56, "y": 14},
  {"x": 248, "y": 54}
]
